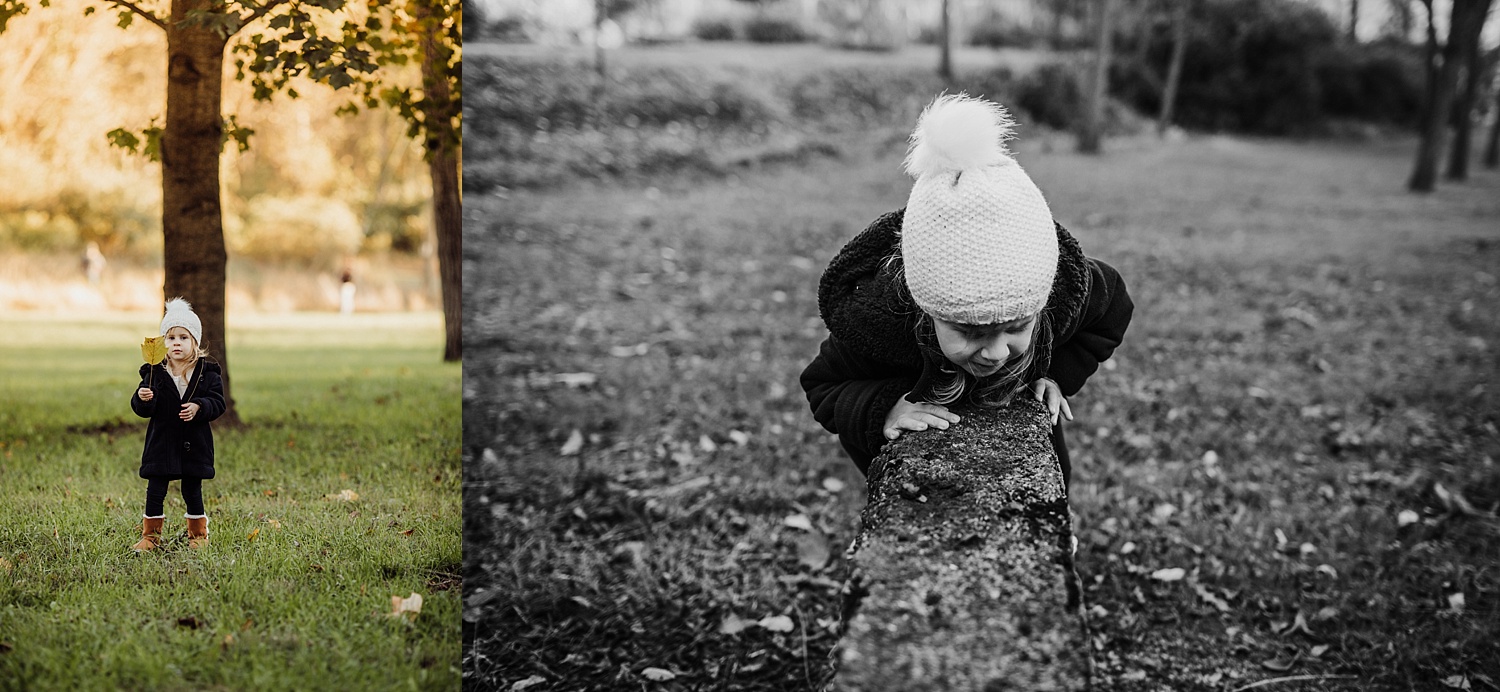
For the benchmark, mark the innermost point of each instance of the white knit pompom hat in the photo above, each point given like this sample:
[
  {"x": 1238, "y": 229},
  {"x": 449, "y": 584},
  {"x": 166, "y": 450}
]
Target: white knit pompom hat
[
  {"x": 978, "y": 240},
  {"x": 180, "y": 314}
]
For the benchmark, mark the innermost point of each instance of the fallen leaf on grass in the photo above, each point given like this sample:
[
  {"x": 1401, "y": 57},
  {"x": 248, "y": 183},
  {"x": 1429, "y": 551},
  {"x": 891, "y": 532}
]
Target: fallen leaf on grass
[
  {"x": 1454, "y": 502},
  {"x": 253, "y": 534},
  {"x": 275, "y": 524},
  {"x": 1318, "y": 651},
  {"x": 658, "y": 674},
  {"x": 798, "y": 521},
  {"x": 573, "y": 445},
  {"x": 1328, "y": 570},
  {"x": 1279, "y": 664},
  {"x": 1457, "y": 682},
  {"x": 739, "y": 437},
  {"x": 345, "y": 495},
  {"x": 776, "y": 623},
  {"x": 1407, "y": 517},
  {"x": 519, "y": 685},
  {"x": 812, "y": 550},
  {"x": 228, "y": 639},
  {"x": 410, "y": 606},
  {"x": 833, "y": 485},
  {"x": 1456, "y": 602},
  {"x": 707, "y": 444},
  {"x": 1169, "y": 574},
  {"x": 1210, "y": 598},
  {"x": 734, "y": 624},
  {"x": 5, "y": 565}
]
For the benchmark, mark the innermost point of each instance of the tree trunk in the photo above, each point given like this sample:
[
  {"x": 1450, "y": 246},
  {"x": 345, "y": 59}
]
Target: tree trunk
[
  {"x": 1430, "y": 54},
  {"x": 1089, "y": 134},
  {"x": 599, "y": 16},
  {"x": 945, "y": 38},
  {"x": 1354, "y": 21},
  {"x": 1174, "y": 70},
  {"x": 962, "y": 572},
  {"x": 193, "y": 254},
  {"x": 1467, "y": 18},
  {"x": 442, "y": 167},
  {"x": 1492, "y": 148},
  {"x": 1472, "y": 60}
]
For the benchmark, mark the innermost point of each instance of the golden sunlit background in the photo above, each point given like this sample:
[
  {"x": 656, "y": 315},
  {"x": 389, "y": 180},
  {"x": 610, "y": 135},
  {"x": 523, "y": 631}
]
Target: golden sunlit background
[{"x": 316, "y": 194}]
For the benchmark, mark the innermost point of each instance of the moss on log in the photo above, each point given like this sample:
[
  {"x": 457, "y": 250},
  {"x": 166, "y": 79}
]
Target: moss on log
[{"x": 963, "y": 575}]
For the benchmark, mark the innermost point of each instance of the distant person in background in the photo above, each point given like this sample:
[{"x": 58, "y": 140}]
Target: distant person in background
[
  {"x": 93, "y": 263},
  {"x": 181, "y": 395},
  {"x": 346, "y": 291},
  {"x": 971, "y": 294}
]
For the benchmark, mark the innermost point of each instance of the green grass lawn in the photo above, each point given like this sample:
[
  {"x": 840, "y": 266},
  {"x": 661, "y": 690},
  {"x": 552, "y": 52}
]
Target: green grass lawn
[
  {"x": 294, "y": 589},
  {"x": 1313, "y": 353}
]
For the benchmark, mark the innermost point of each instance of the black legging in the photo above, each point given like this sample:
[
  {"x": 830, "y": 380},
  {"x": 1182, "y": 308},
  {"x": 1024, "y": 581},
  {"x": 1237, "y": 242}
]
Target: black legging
[
  {"x": 1061, "y": 447},
  {"x": 156, "y": 496}
]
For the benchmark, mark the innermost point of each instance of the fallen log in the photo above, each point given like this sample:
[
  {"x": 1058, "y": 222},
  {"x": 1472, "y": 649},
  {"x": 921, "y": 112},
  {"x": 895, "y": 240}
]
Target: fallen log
[{"x": 962, "y": 572}]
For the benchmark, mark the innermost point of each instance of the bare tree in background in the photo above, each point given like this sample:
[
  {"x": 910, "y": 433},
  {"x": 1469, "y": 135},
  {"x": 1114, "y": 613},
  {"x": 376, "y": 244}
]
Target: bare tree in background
[
  {"x": 1466, "y": 20},
  {"x": 1492, "y": 148},
  {"x": 1180, "y": 12},
  {"x": 1475, "y": 68},
  {"x": 945, "y": 43},
  {"x": 1090, "y": 131},
  {"x": 1353, "y": 21}
]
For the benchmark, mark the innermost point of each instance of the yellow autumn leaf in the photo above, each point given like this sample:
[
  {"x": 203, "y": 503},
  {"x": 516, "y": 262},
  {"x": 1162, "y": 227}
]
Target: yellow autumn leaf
[
  {"x": 154, "y": 349},
  {"x": 345, "y": 495},
  {"x": 411, "y": 605},
  {"x": 253, "y": 534}
]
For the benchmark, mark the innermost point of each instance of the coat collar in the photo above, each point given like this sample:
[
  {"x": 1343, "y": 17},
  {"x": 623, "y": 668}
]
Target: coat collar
[{"x": 865, "y": 303}]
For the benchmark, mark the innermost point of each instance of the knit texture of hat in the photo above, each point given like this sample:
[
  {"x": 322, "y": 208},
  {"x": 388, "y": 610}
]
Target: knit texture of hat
[
  {"x": 180, "y": 314},
  {"x": 978, "y": 240}
]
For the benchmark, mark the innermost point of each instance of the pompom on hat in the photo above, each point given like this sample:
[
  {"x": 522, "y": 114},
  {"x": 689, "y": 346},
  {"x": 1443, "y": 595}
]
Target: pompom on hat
[
  {"x": 180, "y": 314},
  {"x": 978, "y": 240}
]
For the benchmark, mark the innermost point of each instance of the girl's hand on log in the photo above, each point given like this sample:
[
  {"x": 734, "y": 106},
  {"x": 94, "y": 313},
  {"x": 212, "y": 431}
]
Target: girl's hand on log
[
  {"x": 906, "y": 415},
  {"x": 1050, "y": 394}
]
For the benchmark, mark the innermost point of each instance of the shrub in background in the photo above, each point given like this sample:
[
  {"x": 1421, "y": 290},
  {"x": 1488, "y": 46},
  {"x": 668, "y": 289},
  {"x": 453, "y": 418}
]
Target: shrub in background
[
  {"x": 1380, "y": 82},
  {"x": 773, "y": 29},
  {"x": 713, "y": 29},
  {"x": 1052, "y": 94},
  {"x": 1271, "y": 67},
  {"x": 996, "y": 31},
  {"x": 306, "y": 229}
]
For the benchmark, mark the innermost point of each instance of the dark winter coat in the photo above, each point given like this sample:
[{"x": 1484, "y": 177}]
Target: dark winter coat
[
  {"x": 880, "y": 348},
  {"x": 176, "y": 448}
]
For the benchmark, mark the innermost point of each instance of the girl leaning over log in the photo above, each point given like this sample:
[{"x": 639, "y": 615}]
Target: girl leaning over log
[{"x": 971, "y": 294}]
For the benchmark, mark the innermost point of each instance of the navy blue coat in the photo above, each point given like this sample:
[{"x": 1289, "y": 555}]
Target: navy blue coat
[
  {"x": 176, "y": 448},
  {"x": 879, "y": 348}
]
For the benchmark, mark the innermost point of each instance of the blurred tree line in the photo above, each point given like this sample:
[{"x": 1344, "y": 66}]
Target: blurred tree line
[{"x": 314, "y": 186}]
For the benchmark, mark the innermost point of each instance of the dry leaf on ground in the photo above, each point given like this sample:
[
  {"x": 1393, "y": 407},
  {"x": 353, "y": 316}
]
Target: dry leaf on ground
[
  {"x": 573, "y": 445},
  {"x": 658, "y": 674},
  {"x": 776, "y": 623},
  {"x": 345, "y": 495},
  {"x": 1169, "y": 574},
  {"x": 519, "y": 685},
  {"x": 410, "y": 606},
  {"x": 798, "y": 521}
]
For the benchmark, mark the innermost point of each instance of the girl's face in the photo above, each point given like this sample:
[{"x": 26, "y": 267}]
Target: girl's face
[
  {"x": 181, "y": 346},
  {"x": 982, "y": 349}
]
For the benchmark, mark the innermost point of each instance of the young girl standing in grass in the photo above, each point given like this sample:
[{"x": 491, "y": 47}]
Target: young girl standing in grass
[
  {"x": 972, "y": 293},
  {"x": 180, "y": 396}
]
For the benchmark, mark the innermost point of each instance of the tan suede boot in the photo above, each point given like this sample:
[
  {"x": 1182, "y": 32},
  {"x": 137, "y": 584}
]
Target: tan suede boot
[
  {"x": 150, "y": 534},
  {"x": 197, "y": 530}
]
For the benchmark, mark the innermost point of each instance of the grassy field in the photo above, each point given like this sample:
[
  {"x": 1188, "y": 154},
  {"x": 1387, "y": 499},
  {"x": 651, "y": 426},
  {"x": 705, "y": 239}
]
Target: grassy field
[
  {"x": 1313, "y": 355},
  {"x": 294, "y": 589}
]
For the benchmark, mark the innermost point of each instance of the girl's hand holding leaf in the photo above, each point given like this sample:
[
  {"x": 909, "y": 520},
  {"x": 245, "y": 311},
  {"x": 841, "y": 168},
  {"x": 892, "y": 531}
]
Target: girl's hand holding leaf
[{"x": 145, "y": 394}]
